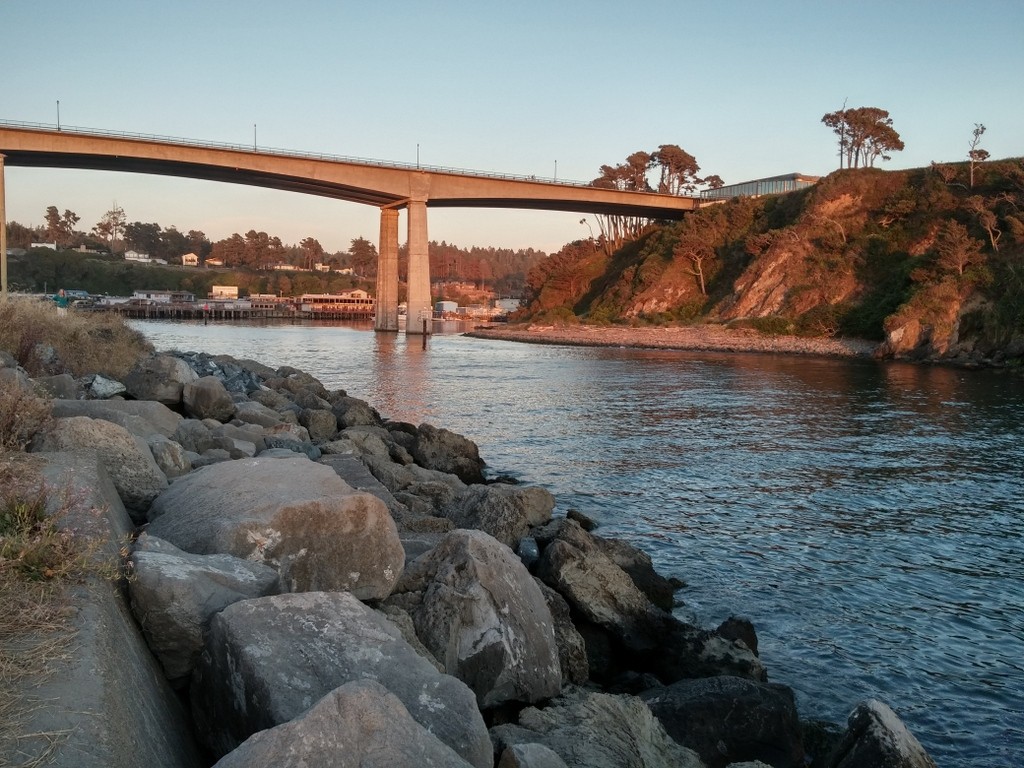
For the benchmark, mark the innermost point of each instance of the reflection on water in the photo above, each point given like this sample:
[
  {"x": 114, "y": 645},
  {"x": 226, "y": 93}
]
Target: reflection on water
[{"x": 868, "y": 518}]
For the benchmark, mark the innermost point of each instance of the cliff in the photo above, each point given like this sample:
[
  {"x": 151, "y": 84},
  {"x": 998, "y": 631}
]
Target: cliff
[{"x": 920, "y": 260}]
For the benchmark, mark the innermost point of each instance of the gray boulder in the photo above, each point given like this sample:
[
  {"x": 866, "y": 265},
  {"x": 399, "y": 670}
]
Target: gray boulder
[
  {"x": 126, "y": 457},
  {"x": 877, "y": 738},
  {"x": 321, "y": 424},
  {"x": 507, "y": 512},
  {"x": 174, "y": 594},
  {"x": 727, "y": 719},
  {"x": 357, "y": 725},
  {"x": 140, "y": 417},
  {"x": 270, "y": 659},
  {"x": 62, "y": 386},
  {"x": 291, "y": 514},
  {"x": 482, "y": 615},
  {"x": 252, "y": 412},
  {"x": 207, "y": 398},
  {"x": 172, "y": 459},
  {"x": 446, "y": 451},
  {"x": 102, "y": 388},
  {"x": 596, "y": 730},
  {"x": 161, "y": 378},
  {"x": 352, "y": 412},
  {"x": 572, "y": 650},
  {"x": 193, "y": 435},
  {"x": 530, "y": 756}
]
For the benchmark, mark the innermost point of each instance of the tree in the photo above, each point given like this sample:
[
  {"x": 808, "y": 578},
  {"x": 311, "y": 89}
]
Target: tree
[
  {"x": 697, "y": 252},
  {"x": 865, "y": 135},
  {"x": 956, "y": 249},
  {"x": 312, "y": 251},
  {"x": 678, "y": 170},
  {"x": 143, "y": 237},
  {"x": 976, "y": 155},
  {"x": 363, "y": 257},
  {"x": 111, "y": 226}
]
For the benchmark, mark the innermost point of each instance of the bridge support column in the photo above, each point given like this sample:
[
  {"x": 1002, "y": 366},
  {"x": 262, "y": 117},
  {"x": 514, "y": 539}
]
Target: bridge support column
[
  {"x": 419, "y": 307},
  {"x": 3, "y": 235},
  {"x": 387, "y": 272}
]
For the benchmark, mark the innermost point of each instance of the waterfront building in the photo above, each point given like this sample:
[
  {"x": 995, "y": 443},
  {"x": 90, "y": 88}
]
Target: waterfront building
[{"x": 772, "y": 185}]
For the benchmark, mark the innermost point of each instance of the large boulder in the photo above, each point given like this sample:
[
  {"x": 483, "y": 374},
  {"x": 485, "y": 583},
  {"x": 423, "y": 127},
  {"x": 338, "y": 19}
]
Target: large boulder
[
  {"x": 481, "y": 614},
  {"x": 270, "y": 659},
  {"x": 253, "y": 412},
  {"x": 358, "y": 725},
  {"x": 174, "y": 594},
  {"x": 572, "y": 650},
  {"x": 597, "y": 730},
  {"x": 140, "y": 417},
  {"x": 727, "y": 719},
  {"x": 103, "y": 702},
  {"x": 530, "y": 756},
  {"x": 506, "y": 512},
  {"x": 126, "y": 457},
  {"x": 291, "y": 514},
  {"x": 446, "y": 451},
  {"x": 172, "y": 459},
  {"x": 207, "y": 398},
  {"x": 645, "y": 637},
  {"x": 877, "y": 738},
  {"x": 159, "y": 377}
]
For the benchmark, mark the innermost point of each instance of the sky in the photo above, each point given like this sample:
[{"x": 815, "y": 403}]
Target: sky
[{"x": 545, "y": 88}]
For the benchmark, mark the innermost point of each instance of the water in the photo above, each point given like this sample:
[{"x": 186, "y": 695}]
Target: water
[{"x": 867, "y": 517}]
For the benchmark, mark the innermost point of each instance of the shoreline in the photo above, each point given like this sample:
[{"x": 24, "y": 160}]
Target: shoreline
[{"x": 702, "y": 338}]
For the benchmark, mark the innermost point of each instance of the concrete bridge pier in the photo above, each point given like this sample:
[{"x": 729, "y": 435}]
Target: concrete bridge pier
[
  {"x": 3, "y": 235},
  {"x": 419, "y": 311},
  {"x": 387, "y": 272}
]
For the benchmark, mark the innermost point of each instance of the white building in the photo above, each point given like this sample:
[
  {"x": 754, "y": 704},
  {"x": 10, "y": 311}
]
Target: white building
[
  {"x": 142, "y": 258},
  {"x": 190, "y": 260}
]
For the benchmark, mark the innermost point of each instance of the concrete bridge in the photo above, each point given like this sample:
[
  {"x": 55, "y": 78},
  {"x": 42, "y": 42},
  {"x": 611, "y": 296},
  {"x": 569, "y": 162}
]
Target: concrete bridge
[{"x": 388, "y": 186}]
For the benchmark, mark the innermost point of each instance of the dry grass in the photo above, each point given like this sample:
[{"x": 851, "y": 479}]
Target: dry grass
[
  {"x": 22, "y": 416},
  {"x": 81, "y": 342},
  {"x": 39, "y": 562}
]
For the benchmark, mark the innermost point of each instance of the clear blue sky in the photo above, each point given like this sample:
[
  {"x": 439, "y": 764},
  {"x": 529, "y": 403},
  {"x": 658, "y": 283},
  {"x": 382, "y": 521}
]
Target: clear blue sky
[{"x": 499, "y": 86}]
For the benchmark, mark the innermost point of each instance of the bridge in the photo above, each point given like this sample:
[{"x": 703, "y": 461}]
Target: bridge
[{"x": 391, "y": 187}]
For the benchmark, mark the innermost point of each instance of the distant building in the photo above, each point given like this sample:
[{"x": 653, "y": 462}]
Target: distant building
[
  {"x": 142, "y": 258},
  {"x": 214, "y": 262},
  {"x": 772, "y": 185},
  {"x": 356, "y": 302},
  {"x": 268, "y": 301},
  {"x": 51, "y": 246},
  {"x": 223, "y": 292},
  {"x": 318, "y": 267},
  {"x": 282, "y": 267},
  {"x": 505, "y": 306},
  {"x": 446, "y": 307},
  {"x": 165, "y": 297},
  {"x": 190, "y": 260}
]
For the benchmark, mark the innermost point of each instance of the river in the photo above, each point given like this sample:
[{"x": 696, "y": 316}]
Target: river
[{"x": 867, "y": 517}]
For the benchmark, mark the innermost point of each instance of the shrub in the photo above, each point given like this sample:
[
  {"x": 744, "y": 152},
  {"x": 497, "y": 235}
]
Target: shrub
[
  {"x": 22, "y": 416},
  {"x": 80, "y": 343}
]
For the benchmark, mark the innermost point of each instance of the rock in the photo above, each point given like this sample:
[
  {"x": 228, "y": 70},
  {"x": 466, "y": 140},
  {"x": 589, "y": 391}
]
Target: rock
[
  {"x": 448, "y": 452},
  {"x": 102, "y": 388},
  {"x": 596, "y": 730},
  {"x": 174, "y": 594},
  {"x": 140, "y": 417},
  {"x": 268, "y": 660},
  {"x": 104, "y": 702},
  {"x": 321, "y": 425},
  {"x": 127, "y": 458},
  {"x": 646, "y": 637},
  {"x": 207, "y": 398},
  {"x": 637, "y": 564},
  {"x": 530, "y": 756},
  {"x": 62, "y": 386},
  {"x": 357, "y": 725},
  {"x": 291, "y": 514},
  {"x": 877, "y": 738},
  {"x": 572, "y": 650},
  {"x": 307, "y": 449},
  {"x": 251, "y": 412},
  {"x": 505, "y": 512},
  {"x": 351, "y": 412},
  {"x": 160, "y": 377},
  {"x": 483, "y": 616},
  {"x": 728, "y": 719},
  {"x": 193, "y": 435},
  {"x": 585, "y": 522},
  {"x": 739, "y": 628},
  {"x": 354, "y": 472},
  {"x": 172, "y": 459}
]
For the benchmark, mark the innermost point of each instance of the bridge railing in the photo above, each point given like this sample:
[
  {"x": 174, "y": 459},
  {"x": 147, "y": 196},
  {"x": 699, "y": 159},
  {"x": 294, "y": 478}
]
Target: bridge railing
[{"x": 285, "y": 152}]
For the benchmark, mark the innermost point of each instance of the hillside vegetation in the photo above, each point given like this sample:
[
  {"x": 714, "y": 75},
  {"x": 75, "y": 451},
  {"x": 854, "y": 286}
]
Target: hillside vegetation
[{"x": 922, "y": 260}]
